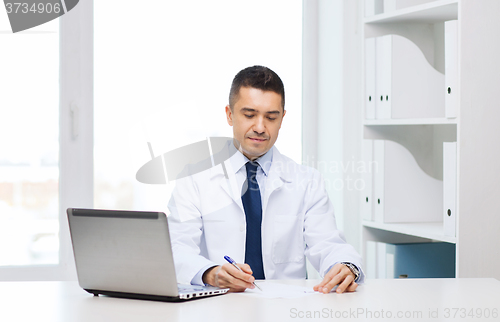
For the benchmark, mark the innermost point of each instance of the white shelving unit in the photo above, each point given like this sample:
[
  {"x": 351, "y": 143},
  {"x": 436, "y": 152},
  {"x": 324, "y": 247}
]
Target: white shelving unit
[
  {"x": 431, "y": 12},
  {"x": 478, "y": 187},
  {"x": 429, "y": 121},
  {"x": 431, "y": 231}
]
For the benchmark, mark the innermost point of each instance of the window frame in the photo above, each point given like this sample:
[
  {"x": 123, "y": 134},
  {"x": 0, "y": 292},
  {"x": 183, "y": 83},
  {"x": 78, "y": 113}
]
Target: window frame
[{"x": 75, "y": 139}]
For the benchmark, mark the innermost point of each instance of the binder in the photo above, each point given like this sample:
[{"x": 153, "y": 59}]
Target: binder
[
  {"x": 390, "y": 5},
  {"x": 370, "y": 78},
  {"x": 403, "y": 192},
  {"x": 449, "y": 188},
  {"x": 378, "y": 180},
  {"x": 369, "y": 8},
  {"x": 385, "y": 260},
  {"x": 407, "y": 86},
  {"x": 393, "y": 5},
  {"x": 367, "y": 177},
  {"x": 373, "y": 7},
  {"x": 383, "y": 59},
  {"x": 451, "y": 68},
  {"x": 371, "y": 259}
]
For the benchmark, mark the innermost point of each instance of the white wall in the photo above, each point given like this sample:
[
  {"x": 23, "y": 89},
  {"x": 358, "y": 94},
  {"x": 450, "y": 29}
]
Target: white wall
[
  {"x": 479, "y": 217},
  {"x": 331, "y": 103}
]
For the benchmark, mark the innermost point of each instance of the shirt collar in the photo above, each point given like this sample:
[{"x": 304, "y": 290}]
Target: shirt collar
[{"x": 238, "y": 160}]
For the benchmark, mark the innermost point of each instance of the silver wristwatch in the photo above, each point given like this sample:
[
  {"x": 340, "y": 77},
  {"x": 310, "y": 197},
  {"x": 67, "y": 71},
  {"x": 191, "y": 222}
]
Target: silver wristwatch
[{"x": 353, "y": 269}]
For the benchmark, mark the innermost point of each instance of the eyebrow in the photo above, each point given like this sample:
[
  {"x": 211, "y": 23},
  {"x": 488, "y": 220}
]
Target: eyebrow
[{"x": 248, "y": 109}]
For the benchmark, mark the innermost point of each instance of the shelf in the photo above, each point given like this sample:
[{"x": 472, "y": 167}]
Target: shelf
[
  {"x": 424, "y": 230},
  {"x": 432, "y": 12},
  {"x": 431, "y": 121}
]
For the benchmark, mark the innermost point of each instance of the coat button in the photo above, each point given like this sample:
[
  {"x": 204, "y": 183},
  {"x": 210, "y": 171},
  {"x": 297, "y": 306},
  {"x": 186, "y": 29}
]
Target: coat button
[{"x": 242, "y": 228}]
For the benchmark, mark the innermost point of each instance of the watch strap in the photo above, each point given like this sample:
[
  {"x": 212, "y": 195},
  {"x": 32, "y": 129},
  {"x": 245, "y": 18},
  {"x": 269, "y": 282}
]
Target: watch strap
[{"x": 353, "y": 269}]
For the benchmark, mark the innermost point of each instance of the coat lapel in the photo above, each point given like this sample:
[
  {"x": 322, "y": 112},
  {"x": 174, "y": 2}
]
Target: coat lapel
[
  {"x": 278, "y": 175},
  {"x": 230, "y": 185}
]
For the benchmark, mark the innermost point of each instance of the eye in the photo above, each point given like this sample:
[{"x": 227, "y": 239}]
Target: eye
[
  {"x": 271, "y": 118},
  {"x": 248, "y": 116}
]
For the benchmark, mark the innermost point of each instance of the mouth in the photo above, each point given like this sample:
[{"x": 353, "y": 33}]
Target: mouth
[{"x": 257, "y": 140}]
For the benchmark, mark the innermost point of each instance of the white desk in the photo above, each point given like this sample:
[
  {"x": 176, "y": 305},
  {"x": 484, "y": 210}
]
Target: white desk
[{"x": 65, "y": 301}]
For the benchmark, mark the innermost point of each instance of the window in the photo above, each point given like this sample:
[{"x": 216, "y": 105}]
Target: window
[
  {"x": 164, "y": 78},
  {"x": 46, "y": 155},
  {"x": 29, "y": 134}
]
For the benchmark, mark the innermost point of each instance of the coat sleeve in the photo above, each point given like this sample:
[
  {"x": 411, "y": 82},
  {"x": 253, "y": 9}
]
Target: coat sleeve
[
  {"x": 325, "y": 244},
  {"x": 186, "y": 230}
]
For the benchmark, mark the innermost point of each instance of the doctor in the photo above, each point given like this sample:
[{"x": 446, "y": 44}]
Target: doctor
[{"x": 261, "y": 208}]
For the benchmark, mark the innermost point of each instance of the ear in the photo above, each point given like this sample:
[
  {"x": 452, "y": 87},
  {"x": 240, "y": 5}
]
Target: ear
[
  {"x": 229, "y": 115},
  {"x": 281, "y": 122}
]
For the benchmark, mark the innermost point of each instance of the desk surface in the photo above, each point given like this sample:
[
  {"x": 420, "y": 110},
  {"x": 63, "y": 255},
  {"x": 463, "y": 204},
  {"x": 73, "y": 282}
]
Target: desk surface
[{"x": 377, "y": 300}]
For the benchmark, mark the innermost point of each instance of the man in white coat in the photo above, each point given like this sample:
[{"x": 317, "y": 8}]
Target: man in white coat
[{"x": 259, "y": 207}]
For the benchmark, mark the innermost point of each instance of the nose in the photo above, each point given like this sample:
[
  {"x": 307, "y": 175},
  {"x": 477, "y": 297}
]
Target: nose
[{"x": 259, "y": 126}]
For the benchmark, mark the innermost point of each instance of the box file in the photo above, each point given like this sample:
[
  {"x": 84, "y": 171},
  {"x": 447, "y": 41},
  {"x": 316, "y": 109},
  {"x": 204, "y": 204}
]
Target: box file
[
  {"x": 403, "y": 192},
  {"x": 393, "y": 5},
  {"x": 367, "y": 177},
  {"x": 371, "y": 259},
  {"x": 407, "y": 86},
  {"x": 449, "y": 188},
  {"x": 390, "y": 6},
  {"x": 383, "y": 58},
  {"x": 385, "y": 260},
  {"x": 451, "y": 68},
  {"x": 373, "y": 7},
  {"x": 418, "y": 260},
  {"x": 370, "y": 78}
]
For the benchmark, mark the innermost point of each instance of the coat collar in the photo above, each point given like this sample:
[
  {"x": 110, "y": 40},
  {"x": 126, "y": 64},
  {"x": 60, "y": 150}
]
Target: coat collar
[
  {"x": 278, "y": 173},
  {"x": 238, "y": 160}
]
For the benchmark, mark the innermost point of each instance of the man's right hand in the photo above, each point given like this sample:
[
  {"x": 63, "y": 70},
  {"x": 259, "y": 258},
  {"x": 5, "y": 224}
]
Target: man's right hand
[{"x": 228, "y": 276}]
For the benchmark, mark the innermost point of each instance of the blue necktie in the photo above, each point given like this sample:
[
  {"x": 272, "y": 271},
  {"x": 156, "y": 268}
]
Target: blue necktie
[{"x": 253, "y": 213}]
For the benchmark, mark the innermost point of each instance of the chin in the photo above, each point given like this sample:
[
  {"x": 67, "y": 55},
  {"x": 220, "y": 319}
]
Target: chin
[{"x": 253, "y": 153}]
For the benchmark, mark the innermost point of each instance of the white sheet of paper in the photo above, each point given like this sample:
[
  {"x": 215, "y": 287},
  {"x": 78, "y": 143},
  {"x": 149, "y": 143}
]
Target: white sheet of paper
[{"x": 278, "y": 290}]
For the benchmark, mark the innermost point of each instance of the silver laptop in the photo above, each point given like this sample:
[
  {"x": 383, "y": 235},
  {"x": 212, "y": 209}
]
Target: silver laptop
[{"x": 128, "y": 254}]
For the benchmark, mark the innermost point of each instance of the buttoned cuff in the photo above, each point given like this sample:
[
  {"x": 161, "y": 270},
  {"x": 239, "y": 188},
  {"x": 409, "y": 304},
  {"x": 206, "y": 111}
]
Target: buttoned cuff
[{"x": 198, "y": 278}]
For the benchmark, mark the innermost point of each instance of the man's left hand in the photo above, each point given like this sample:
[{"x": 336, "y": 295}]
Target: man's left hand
[{"x": 339, "y": 275}]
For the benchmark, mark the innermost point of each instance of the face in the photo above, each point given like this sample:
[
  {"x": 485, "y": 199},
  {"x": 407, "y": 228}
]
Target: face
[{"x": 256, "y": 120}]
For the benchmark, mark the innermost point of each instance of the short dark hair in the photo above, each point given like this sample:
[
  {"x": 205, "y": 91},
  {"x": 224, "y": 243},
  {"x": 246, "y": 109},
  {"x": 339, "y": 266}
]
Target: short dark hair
[{"x": 259, "y": 77}]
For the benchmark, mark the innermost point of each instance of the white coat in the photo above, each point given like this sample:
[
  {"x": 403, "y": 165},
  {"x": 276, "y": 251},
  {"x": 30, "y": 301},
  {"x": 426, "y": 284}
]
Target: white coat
[{"x": 207, "y": 221}]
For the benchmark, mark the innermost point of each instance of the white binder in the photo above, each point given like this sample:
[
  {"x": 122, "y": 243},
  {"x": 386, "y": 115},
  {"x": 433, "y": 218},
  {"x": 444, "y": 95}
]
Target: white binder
[
  {"x": 373, "y": 7},
  {"x": 403, "y": 192},
  {"x": 371, "y": 259},
  {"x": 383, "y": 59},
  {"x": 370, "y": 78},
  {"x": 378, "y": 180},
  {"x": 449, "y": 188},
  {"x": 393, "y": 5},
  {"x": 407, "y": 86},
  {"x": 369, "y": 8},
  {"x": 385, "y": 260},
  {"x": 451, "y": 68},
  {"x": 367, "y": 177},
  {"x": 390, "y": 5}
]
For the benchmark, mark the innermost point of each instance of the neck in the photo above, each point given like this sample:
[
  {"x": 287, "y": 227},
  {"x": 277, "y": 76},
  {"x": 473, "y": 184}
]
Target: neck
[{"x": 250, "y": 157}]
